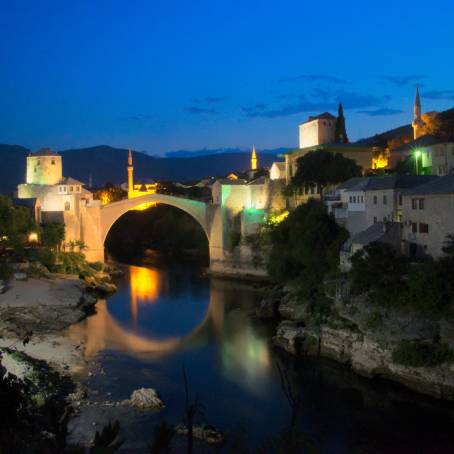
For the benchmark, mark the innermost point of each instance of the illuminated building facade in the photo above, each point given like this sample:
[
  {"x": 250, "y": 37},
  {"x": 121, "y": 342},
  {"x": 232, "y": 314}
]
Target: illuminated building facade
[{"x": 253, "y": 158}]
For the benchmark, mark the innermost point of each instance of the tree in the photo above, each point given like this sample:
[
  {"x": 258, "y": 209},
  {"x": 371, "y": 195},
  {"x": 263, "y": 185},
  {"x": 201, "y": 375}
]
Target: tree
[
  {"x": 433, "y": 123},
  {"x": 324, "y": 168},
  {"x": 304, "y": 247},
  {"x": 52, "y": 235},
  {"x": 15, "y": 223},
  {"x": 340, "y": 132}
]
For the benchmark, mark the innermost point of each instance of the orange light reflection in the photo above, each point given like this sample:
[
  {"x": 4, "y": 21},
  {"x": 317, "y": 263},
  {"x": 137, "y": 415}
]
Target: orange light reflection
[{"x": 145, "y": 287}]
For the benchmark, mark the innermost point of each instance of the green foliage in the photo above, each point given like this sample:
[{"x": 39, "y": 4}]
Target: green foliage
[
  {"x": 97, "y": 266},
  {"x": 324, "y": 168},
  {"x": 45, "y": 256},
  {"x": 15, "y": 224},
  {"x": 422, "y": 354},
  {"x": 52, "y": 235},
  {"x": 377, "y": 269},
  {"x": 70, "y": 263},
  {"x": 407, "y": 166},
  {"x": 304, "y": 247},
  {"x": 391, "y": 280}
]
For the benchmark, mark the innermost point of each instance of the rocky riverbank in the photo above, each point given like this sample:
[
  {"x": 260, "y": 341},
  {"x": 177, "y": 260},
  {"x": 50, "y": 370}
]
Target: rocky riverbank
[
  {"x": 38, "y": 361},
  {"x": 373, "y": 341}
]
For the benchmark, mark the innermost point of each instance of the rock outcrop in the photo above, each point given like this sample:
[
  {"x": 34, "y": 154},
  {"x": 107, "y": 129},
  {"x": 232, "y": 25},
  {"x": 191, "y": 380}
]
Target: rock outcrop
[
  {"x": 364, "y": 337},
  {"x": 145, "y": 399}
]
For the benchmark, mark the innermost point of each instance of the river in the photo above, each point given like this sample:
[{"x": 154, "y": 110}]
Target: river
[{"x": 162, "y": 319}]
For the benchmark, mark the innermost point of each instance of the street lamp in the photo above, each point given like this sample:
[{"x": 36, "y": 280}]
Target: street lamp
[{"x": 417, "y": 154}]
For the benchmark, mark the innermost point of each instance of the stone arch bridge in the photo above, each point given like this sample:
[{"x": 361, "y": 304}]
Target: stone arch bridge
[
  {"x": 97, "y": 220},
  {"x": 215, "y": 220}
]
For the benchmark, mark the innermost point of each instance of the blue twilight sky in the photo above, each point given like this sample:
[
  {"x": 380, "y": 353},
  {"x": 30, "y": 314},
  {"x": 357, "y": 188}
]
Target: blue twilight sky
[{"x": 174, "y": 74}]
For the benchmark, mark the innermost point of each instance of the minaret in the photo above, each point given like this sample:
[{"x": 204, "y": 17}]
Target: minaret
[
  {"x": 417, "y": 123},
  {"x": 130, "y": 175},
  {"x": 253, "y": 159}
]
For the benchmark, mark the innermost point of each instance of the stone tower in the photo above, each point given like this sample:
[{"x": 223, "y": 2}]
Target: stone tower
[
  {"x": 44, "y": 167},
  {"x": 417, "y": 123},
  {"x": 253, "y": 159},
  {"x": 130, "y": 174}
]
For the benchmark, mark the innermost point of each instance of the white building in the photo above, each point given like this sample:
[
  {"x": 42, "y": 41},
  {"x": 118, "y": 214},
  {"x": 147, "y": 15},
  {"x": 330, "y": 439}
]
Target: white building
[
  {"x": 317, "y": 130},
  {"x": 428, "y": 217}
]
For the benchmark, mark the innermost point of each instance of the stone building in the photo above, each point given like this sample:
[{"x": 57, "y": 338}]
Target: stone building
[
  {"x": 57, "y": 199},
  {"x": 428, "y": 217},
  {"x": 366, "y": 201},
  {"x": 317, "y": 130}
]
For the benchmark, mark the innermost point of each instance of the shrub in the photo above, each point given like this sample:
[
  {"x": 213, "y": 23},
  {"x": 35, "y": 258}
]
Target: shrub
[
  {"x": 422, "y": 354},
  {"x": 97, "y": 266},
  {"x": 5, "y": 272}
]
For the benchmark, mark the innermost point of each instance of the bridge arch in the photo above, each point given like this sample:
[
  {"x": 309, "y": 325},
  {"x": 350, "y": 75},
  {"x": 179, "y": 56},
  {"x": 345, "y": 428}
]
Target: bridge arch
[{"x": 112, "y": 212}]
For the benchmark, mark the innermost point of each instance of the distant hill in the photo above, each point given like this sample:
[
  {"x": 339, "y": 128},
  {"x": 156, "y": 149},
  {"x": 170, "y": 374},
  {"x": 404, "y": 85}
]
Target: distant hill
[{"x": 108, "y": 164}]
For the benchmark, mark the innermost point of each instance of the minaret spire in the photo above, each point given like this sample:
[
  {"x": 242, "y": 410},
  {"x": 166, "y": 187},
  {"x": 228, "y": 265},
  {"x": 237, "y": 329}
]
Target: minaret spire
[
  {"x": 253, "y": 159},
  {"x": 130, "y": 174},
  {"x": 418, "y": 123}
]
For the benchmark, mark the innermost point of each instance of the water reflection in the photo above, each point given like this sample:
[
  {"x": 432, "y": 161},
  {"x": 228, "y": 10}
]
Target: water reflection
[
  {"x": 241, "y": 353},
  {"x": 145, "y": 285}
]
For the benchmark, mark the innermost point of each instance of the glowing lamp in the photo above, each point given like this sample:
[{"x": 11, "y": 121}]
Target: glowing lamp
[{"x": 32, "y": 237}]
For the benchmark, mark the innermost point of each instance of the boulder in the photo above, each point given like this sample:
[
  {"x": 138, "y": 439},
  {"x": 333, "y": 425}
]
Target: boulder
[
  {"x": 289, "y": 336},
  {"x": 145, "y": 399}
]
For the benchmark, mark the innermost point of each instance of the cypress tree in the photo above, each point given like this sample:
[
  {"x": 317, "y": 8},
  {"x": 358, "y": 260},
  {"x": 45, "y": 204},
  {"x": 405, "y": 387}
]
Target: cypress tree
[{"x": 341, "y": 132}]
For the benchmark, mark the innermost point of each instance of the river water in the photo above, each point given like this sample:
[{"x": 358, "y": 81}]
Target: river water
[{"x": 164, "y": 319}]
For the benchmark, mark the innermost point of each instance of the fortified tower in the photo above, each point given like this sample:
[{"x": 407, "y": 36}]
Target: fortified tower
[
  {"x": 44, "y": 167},
  {"x": 417, "y": 123}
]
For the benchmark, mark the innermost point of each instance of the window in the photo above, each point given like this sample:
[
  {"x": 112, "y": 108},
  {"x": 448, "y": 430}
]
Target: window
[
  {"x": 354, "y": 199},
  {"x": 70, "y": 189},
  {"x": 400, "y": 199},
  {"x": 77, "y": 188},
  {"x": 423, "y": 228},
  {"x": 350, "y": 199},
  {"x": 385, "y": 200},
  {"x": 375, "y": 219},
  {"x": 421, "y": 204},
  {"x": 53, "y": 162},
  {"x": 414, "y": 227},
  {"x": 38, "y": 163},
  {"x": 67, "y": 206},
  {"x": 375, "y": 200},
  {"x": 362, "y": 199},
  {"x": 414, "y": 204}
]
